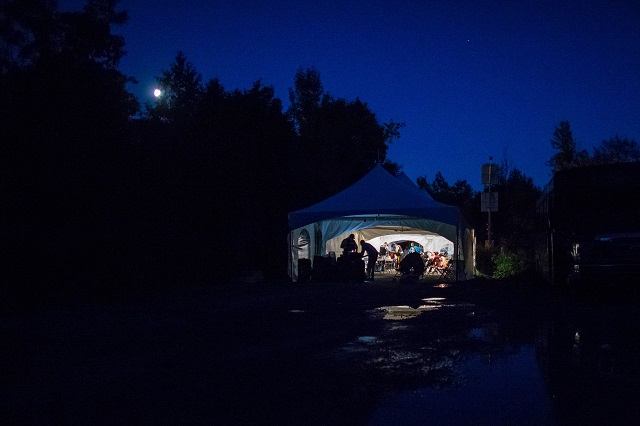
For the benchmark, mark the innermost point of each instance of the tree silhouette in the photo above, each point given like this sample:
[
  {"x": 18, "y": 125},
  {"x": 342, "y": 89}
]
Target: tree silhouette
[
  {"x": 64, "y": 110},
  {"x": 567, "y": 155},
  {"x": 181, "y": 90},
  {"x": 337, "y": 141},
  {"x": 305, "y": 98},
  {"x": 224, "y": 159},
  {"x": 616, "y": 150}
]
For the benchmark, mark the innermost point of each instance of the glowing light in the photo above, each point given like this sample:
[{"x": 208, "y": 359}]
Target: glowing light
[{"x": 157, "y": 93}]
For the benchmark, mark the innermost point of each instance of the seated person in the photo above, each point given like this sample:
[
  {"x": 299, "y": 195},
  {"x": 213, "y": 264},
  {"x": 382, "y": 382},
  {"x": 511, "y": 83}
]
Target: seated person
[
  {"x": 435, "y": 262},
  {"x": 415, "y": 248}
]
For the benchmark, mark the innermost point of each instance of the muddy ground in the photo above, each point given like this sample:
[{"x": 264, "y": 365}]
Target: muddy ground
[{"x": 319, "y": 353}]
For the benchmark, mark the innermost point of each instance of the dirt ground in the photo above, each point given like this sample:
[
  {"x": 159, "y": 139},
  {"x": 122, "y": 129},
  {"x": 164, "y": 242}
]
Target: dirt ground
[{"x": 313, "y": 353}]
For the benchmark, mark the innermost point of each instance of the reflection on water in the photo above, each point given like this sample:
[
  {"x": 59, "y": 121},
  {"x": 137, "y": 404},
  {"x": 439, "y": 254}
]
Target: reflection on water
[
  {"x": 404, "y": 312},
  {"x": 457, "y": 363},
  {"x": 591, "y": 363},
  {"x": 484, "y": 391}
]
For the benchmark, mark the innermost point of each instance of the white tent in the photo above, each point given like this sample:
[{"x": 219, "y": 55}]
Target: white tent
[{"x": 378, "y": 204}]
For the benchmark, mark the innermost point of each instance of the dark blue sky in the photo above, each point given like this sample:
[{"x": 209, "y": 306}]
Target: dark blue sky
[{"x": 471, "y": 79}]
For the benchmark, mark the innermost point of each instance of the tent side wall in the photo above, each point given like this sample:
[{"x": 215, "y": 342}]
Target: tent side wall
[{"x": 299, "y": 250}]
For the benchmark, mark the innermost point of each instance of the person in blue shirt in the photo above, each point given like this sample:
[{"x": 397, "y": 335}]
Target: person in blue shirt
[{"x": 415, "y": 248}]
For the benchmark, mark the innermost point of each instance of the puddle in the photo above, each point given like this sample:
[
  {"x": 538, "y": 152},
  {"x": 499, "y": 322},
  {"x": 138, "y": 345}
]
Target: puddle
[
  {"x": 367, "y": 339},
  {"x": 487, "y": 333},
  {"x": 403, "y": 312},
  {"x": 484, "y": 391}
]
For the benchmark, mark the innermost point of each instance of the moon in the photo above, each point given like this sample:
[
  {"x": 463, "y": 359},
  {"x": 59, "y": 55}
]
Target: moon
[{"x": 157, "y": 93}]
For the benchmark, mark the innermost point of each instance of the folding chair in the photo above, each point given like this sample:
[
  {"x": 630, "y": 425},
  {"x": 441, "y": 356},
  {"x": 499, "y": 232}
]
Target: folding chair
[{"x": 448, "y": 273}]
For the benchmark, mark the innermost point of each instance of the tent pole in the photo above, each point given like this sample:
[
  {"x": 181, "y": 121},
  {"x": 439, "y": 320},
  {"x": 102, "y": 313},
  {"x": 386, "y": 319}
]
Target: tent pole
[
  {"x": 457, "y": 263},
  {"x": 290, "y": 238}
]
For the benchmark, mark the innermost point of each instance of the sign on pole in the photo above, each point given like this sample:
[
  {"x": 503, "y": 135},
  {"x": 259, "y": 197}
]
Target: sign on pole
[
  {"x": 489, "y": 201},
  {"x": 489, "y": 173}
]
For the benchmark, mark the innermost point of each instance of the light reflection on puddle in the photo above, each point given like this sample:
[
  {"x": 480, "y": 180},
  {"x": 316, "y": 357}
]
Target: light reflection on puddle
[
  {"x": 367, "y": 339},
  {"x": 509, "y": 390},
  {"x": 403, "y": 312}
]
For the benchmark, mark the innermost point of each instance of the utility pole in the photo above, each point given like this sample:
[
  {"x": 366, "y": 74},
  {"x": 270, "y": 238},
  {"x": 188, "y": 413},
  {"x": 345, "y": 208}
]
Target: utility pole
[
  {"x": 490, "y": 206},
  {"x": 489, "y": 199}
]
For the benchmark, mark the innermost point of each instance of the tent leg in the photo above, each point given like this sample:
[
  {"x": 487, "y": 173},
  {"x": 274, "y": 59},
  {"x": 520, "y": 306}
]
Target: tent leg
[{"x": 457, "y": 264}]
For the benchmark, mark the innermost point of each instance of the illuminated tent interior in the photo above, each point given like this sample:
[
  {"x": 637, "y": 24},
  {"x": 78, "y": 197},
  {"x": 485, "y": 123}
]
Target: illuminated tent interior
[{"x": 378, "y": 205}]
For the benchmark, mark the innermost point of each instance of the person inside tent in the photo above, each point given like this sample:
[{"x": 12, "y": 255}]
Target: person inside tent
[
  {"x": 411, "y": 267},
  {"x": 415, "y": 248},
  {"x": 372, "y": 257},
  {"x": 349, "y": 245},
  {"x": 392, "y": 256},
  {"x": 399, "y": 253}
]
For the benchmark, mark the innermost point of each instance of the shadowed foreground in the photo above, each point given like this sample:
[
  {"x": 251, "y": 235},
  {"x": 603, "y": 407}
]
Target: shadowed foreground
[{"x": 369, "y": 353}]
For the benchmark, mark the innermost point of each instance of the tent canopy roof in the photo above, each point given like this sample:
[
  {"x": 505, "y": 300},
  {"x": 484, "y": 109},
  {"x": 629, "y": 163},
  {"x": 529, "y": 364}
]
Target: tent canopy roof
[{"x": 378, "y": 194}]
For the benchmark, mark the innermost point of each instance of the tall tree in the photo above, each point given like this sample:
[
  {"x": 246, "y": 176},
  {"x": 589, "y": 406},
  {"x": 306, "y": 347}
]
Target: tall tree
[
  {"x": 459, "y": 194},
  {"x": 305, "y": 98},
  {"x": 26, "y": 27},
  {"x": 64, "y": 111},
  {"x": 33, "y": 32},
  {"x": 438, "y": 189},
  {"x": 516, "y": 221},
  {"x": 225, "y": 160},
  {"x": 567, "y": 156},
  {"x": 181, "y": 90},
  {"x": 337, "y": 142}
]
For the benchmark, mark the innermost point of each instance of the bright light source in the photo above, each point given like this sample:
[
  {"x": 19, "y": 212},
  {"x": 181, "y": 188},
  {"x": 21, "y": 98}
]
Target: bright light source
[{"x": 157, "y": 93}]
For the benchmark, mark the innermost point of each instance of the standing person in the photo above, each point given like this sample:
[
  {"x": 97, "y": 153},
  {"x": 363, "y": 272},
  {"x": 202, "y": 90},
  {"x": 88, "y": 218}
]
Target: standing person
[
  {"x": 392, "y": 255},
  {"x": 399, "y": 252},
  {"x": 348, "y": 245},
  {"x": 384, "y": 252},
  {"x": 372, "y": 255},
  {"x": 429, "y": 260}
]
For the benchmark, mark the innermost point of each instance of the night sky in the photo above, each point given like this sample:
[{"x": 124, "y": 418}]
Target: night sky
[{"x": 470, "y": 79}]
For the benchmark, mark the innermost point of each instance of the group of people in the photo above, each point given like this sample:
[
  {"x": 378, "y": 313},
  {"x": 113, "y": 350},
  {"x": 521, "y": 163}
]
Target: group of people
[
  {"x": 350, "y": 249},
  {"x": 435, "y": 260},
  {"x": 395, "y": 252}
]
